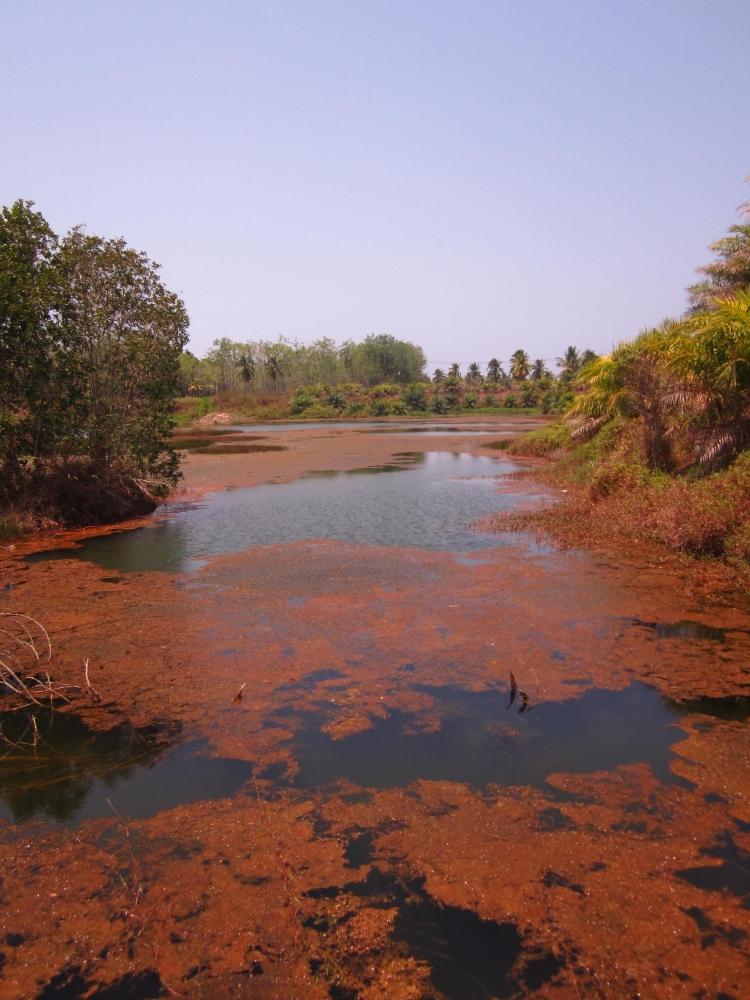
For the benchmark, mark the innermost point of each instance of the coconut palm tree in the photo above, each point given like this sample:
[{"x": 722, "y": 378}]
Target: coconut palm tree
[
  {"x": 494, "y": 371},
  {"x": 455, "y": 370},
  {"x": 569, "y": 364},
  {"x": 519, "y": 365},
  {"x": 473, "y": 373},
  {"x": 539, "y": 370},
  {"x": 438, "y": 376}
]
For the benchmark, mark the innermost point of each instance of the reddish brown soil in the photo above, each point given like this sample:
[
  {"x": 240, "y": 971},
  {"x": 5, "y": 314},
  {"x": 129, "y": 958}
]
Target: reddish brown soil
[{"x": 254, "y": 895}]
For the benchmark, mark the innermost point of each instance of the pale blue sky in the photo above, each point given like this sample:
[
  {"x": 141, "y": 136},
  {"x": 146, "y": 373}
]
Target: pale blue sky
[{"x": 474, "y": 176}]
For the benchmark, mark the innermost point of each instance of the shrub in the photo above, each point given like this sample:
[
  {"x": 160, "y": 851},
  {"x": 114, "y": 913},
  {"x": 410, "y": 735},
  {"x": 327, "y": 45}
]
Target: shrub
[
  {"x": 414, "y": 397},
  {"x": 300, "y": 402},
  {"x": 544, "y": 441}
]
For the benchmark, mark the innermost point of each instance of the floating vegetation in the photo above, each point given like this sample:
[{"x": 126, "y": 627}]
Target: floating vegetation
[{"x": 468, "y": 958}]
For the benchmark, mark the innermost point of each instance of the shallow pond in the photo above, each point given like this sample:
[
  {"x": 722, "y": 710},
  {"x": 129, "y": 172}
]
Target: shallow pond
[
  {"x": 424, "y": 500},
  {"x": 483, "y": 738},
  {"x": 69, "y": 773}
]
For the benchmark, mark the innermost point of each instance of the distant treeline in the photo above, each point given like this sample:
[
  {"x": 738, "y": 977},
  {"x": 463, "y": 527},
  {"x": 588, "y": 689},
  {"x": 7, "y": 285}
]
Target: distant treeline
[
  {"x": 270, "y": 367},
  {"x": 276, "y": 368}
]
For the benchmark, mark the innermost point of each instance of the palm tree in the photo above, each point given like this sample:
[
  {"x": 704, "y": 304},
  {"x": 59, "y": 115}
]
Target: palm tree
[
  {"x": 519, "y": 365},
  {"x": 494, "y": 371},
  {"x": 247, "y": 368},
  {"x": 438, "y": 376},
  {"x": 539, "y": 370},
  {"x": 633, "y": 382},
  {"x": 569, "y": 363},
  {"x": 473, "y": 373},
  {"x": 455, "y": 370},
  {"x": 729, "y": 273},
  {"x": 274, "y": 367},
  {"x": 710, "y": 356}
]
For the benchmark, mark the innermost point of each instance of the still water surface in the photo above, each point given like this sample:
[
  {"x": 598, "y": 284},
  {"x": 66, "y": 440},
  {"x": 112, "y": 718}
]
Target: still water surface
[{"x": 424, "y": 500}]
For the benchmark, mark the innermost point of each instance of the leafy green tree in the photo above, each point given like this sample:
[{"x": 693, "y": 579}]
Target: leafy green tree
[
  {"x": 383, "y": 358},
  {"x": 519, "y": 365},
  {"x": 29, "y": 336},
  {"x": 539, "y": 370},
  {"x": 123, "y": 333},
  {"x": 90, "y": 348},
  {"x": 438, "y": 376}
]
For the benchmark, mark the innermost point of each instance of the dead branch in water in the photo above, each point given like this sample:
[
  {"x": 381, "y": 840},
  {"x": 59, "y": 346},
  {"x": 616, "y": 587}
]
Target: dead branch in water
[
  {"x": 89, "y": 686},
  {"x": 25, "y": 649}
]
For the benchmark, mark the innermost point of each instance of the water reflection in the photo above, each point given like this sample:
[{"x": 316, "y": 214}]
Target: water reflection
[
  {"x": 68, "y": 773},
  {"x": 479, "y": 744},
  {"x": 433, "y": 507}
]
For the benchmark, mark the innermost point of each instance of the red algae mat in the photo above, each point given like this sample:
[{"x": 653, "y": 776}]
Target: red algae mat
[{"x": 407, "y": 821}]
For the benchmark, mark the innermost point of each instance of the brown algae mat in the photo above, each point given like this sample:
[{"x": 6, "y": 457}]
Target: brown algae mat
[{"x": 383, "y": 811}]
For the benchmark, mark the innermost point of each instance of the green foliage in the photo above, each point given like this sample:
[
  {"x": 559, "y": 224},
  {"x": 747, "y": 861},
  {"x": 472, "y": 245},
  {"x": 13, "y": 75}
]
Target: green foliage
[
  {"x": 300, "y": 402},
  {"x": 415, "y": 397},
  {"x": 90, "y": 343},
  {"x": 275, "y": 367},
  {"x": 438, "y": 404},
  {"x": 30, "y": 372},
  {"x": 519, "y": 365},
  {"x": 729, "y": 272},
  {"x": 528, "y": 396},
  {"x": 543, "y": 441}
]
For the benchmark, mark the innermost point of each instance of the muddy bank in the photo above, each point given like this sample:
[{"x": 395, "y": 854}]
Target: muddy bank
[{"x": 402, "y": 816}]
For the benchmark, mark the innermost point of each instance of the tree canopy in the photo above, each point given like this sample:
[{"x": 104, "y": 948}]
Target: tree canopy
[{"x": 90, "y": 343}]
